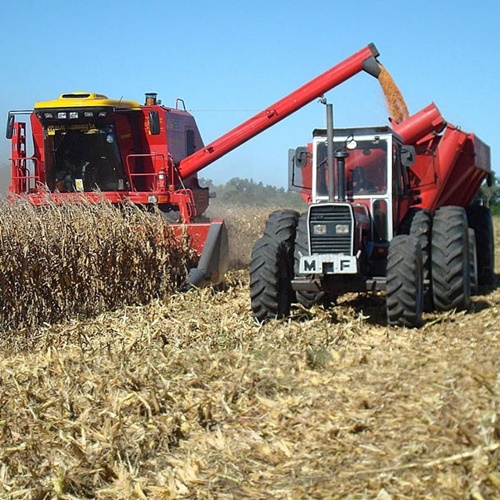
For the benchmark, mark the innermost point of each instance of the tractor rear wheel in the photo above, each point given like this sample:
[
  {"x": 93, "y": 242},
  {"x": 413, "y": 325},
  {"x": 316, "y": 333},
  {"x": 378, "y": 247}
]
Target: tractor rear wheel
[
  {"x": 405, "y": 287},
  {"x": 306, "y": 298},
  {"x": 271, "y": 267},
  {"x": 450, "y": 259},
  {"x": 480, "y": 220}
]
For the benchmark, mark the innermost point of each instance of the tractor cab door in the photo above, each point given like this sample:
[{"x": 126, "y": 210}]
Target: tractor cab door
[{"x": 403, "y": 157}]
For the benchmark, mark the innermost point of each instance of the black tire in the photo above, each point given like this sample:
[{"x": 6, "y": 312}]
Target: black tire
[
  {"x": 479, "y": 218},
  {"x": 405, "y": 289},
  {"x": 306, "y": 298},
  {"x": 450, "y": 259},
  {"x": 474, "y": 280},
  {"x": 419, "y": 223},
  {"x": 271, "y": 267}
]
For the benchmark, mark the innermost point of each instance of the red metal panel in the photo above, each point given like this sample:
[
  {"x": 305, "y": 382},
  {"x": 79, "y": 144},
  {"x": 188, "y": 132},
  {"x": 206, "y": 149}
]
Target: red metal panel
[
  {"x": 197, "y": 233},
  {"x": 415, "y": 128},
  {"x": 449, "y": 168}
]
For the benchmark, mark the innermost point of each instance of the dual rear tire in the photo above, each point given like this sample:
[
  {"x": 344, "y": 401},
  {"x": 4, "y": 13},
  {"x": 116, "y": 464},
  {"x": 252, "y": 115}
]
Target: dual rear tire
[
  {"x": 451, "y": 255},
  {"x": 451, "y": 262},
  {"x": 480, "y": 220},
  {"x": 405, "y": 282}
]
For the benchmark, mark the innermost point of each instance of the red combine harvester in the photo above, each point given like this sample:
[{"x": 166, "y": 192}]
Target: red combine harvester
[
  {"x": 389, "y": 209},
  {"x": 87, "y": 147}
]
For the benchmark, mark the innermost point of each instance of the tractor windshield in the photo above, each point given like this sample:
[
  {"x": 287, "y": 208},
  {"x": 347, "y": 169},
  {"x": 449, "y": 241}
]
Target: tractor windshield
[
  {"x": 86, "y": 158},
  {"x": 365, "y": 167}
]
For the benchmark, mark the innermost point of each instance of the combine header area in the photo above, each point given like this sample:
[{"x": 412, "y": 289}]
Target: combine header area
[{"x": 88, "y": 148}]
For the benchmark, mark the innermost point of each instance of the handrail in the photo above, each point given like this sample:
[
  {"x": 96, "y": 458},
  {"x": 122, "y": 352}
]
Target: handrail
[
  {"x": 25, "y": 181},
  {"x": 131, "y": 175}
]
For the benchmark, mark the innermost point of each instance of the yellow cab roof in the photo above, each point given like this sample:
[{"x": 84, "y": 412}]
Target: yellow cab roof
[{"x": 86, "y": 100}]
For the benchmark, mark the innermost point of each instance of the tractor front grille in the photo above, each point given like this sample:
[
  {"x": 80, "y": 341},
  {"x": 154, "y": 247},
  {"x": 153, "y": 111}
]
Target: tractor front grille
[{"x": 332, "y": 216}]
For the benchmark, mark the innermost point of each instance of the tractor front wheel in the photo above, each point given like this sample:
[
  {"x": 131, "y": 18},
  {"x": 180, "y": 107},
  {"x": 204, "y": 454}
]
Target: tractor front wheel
[
  {"x": 271, "y": 267},
  {"x": 405, "y": 287}
]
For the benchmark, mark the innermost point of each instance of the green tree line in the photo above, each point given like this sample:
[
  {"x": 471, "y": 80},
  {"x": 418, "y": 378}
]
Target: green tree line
[
  {"x": 249, "y": 192},
  {"x": 490, "y": 195}
]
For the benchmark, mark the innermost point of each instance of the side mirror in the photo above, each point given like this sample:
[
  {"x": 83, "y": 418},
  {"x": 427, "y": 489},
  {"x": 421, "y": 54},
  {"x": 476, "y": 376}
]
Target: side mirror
[
  {"x": 298, "y": 160},
  {"x": 407, "y": 155},
  {"x": 154, "y": 123},
  {"x": 300, "y": 157},
  {"x": 10, "y": 126}
]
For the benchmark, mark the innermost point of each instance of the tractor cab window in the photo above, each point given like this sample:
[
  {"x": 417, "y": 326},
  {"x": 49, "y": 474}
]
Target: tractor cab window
[
  {"x": 365, "y": 167},
  {"x": 86, "y": 158}
]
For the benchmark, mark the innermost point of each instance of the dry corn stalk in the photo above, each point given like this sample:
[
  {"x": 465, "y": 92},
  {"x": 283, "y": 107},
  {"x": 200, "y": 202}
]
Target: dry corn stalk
[{"x": 61, "y": 261}]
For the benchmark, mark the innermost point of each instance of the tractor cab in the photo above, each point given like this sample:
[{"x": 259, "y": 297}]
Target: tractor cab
[
  {"x": 370, "y": 170},
  {"x": 355, "y": 201}
]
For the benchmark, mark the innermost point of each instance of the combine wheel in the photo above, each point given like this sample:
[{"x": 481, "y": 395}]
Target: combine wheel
[
  {"x": 480, "y": 220},
  {"x": 271, "y": 267},
  {"x": 451, "y": 284},
  {"x": 306, "y": 298},
  {"x": 474, "y": 283},
  {"x": 405, "y": 288}
]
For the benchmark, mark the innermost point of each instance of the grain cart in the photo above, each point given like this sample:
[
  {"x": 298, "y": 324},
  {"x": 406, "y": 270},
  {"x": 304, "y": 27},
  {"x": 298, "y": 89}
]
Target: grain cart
[
  {"x": 390, "y": 208},
  {"x": 88, "y": 148}
]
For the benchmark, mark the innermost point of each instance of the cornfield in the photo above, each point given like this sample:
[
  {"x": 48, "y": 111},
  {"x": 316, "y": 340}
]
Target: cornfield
[{"x": 63, "y": 261}]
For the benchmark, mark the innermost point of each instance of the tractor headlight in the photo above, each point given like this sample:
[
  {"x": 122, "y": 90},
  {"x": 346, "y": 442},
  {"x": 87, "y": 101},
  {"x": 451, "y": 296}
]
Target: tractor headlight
[
  {"x": 62, "y": 115},
  {"x": 319, "y": 229},
  {"x": 152, "y": 198},
  {"x": 342, "y": 228}
]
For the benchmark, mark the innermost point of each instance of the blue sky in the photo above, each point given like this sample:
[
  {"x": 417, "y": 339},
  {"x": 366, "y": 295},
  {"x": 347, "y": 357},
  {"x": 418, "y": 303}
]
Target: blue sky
[{"x": 230, "y": 59}]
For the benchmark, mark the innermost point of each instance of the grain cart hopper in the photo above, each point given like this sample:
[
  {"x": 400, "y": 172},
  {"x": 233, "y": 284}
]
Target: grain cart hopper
[
  {"x": 389, "y": 209},
  {"x": 89, "y": 148}
]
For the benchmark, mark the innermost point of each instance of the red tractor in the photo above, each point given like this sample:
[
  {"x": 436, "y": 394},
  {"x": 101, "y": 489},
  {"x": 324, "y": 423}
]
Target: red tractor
[{"x": 389, "y": 209}]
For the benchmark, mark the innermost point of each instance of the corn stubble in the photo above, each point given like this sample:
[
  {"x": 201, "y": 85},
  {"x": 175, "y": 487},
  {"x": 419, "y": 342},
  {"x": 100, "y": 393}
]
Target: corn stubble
[
  {"x": 187, "y": 397},
  {"x": 62, "y": 261}
]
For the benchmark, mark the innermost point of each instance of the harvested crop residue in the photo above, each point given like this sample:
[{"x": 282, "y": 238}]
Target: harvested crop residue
[{"x": 188, "y": 398}]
